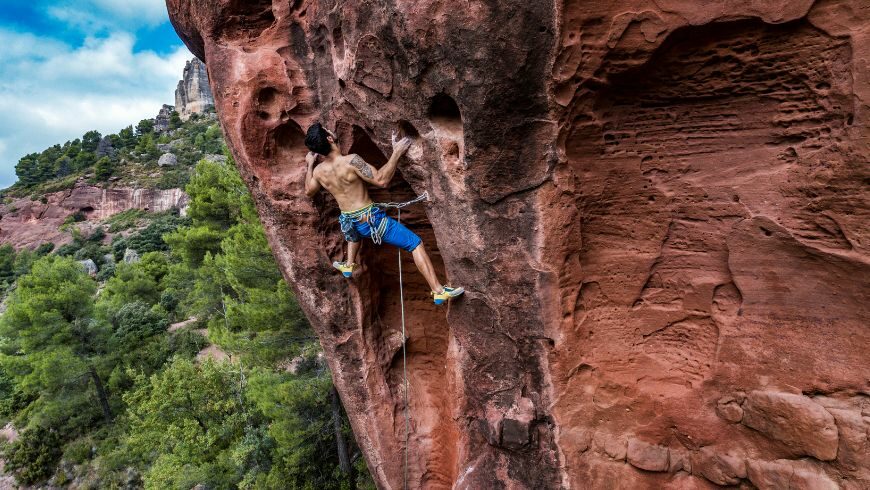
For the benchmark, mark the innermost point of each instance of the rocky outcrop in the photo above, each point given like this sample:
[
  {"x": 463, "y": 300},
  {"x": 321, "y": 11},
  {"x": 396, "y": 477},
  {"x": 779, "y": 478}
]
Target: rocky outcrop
[
  {"x": 105, "y": 147},
  {"x": 25, "y": 223},
  {"x": 659, "y": 211},
  {"x": 167, "y": 159},
  {"x": 193, "y": 94},
  {"x": 795, "y": 420},
  {"x": 161, "y": 122}
]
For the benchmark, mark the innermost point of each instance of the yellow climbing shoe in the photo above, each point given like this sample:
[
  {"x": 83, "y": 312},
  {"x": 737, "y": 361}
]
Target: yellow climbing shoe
[
  {"x": 345, "y": 269},
  {"x": 446, "y": 294}
]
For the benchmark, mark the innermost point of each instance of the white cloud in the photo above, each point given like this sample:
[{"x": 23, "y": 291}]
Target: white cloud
[
  {"x": 58, "y": 93},
  {"x": 149, "y": 10},
  {"x": 95, "y": 15}
]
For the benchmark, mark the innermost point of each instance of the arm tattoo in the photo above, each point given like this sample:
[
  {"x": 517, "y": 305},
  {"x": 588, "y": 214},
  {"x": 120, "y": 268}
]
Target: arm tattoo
[{"x": 363, "y": 167}]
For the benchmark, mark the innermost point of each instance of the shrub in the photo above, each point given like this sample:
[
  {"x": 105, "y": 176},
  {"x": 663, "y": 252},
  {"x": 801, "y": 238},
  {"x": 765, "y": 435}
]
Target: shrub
[
  {"x": 44, "y": 249},
  {"x": 34, "y": 455}
]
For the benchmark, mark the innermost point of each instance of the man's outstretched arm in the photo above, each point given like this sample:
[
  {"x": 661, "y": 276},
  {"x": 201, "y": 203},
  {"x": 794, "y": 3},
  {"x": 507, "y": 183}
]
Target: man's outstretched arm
[
  {"x": 312, "y": 185},
  {"x": 381, "y": 177}
]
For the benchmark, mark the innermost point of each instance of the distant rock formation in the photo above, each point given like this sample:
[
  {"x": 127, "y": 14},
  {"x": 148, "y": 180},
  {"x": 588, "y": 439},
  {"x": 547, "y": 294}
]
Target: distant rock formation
[
  {"x": 193, "y": 95},
  {"x": 25, "y": 223},
  {"x": 105, "y": 147},
  {"x": 161, "y": 122}
]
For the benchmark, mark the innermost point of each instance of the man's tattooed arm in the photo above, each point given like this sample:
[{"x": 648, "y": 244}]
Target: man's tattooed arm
[{"x": 364, "y": 168}]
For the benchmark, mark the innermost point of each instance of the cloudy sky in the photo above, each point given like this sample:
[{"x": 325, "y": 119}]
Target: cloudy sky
[{"x": 69, "y": 66}]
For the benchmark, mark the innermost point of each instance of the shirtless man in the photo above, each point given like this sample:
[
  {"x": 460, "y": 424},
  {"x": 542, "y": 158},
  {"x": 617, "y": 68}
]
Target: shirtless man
[{"x": 345, "y": 177}]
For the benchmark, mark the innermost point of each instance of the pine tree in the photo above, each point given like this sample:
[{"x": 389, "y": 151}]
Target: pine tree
[
  {"x": 90, "y": 140},
  {"x": 104, "y": 169},
  {"x": 127, "y": 138},
  {"x": 145, "y": 126},
  {"x": 53, "y": 346}
]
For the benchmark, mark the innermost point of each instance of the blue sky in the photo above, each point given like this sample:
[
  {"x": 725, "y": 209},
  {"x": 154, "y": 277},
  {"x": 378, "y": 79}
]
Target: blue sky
[{"x": 70, "y": 66}]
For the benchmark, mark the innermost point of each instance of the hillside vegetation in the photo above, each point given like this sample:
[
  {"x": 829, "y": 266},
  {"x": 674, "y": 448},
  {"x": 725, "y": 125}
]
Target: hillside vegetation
[
  {"x": 110, "y": 380},
  {"x": 128, "y": 158}
]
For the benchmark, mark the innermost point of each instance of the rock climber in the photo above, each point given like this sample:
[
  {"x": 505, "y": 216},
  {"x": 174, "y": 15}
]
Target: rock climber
[{"x": 345, "y": 177}]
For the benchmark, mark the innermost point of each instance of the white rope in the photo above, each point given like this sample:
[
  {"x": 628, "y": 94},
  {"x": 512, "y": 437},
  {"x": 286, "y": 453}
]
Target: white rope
[
  {"x": 399, "y": 205},
  {"x": 404, "y": 344}
]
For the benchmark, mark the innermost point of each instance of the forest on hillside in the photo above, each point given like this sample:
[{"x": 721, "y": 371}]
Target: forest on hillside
[{"x": 106, "y": 381}]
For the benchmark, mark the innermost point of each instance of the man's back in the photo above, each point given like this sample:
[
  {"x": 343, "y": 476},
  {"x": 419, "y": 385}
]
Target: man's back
[{"x": 339, "y": 177}]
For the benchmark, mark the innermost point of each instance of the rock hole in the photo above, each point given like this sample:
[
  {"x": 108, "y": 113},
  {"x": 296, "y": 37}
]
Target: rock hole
[
  {"x": 823, "y": 86},
  {"x": 850, "y": 118},
  {"x": 341, "y": 83},
  {"x": 338, "y": 42},
  {"x": 407, "y": 129},
  {"x": 267, "y": 96},
  {"x": 268, "y": 103},
  {"x": 446, "y": 121},
  {"x": 445, "y": 116},
  {"x": 766, "y": 231}
]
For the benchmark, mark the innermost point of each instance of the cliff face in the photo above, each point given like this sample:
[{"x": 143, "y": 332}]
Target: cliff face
[
  {"x": 26, "y": 224},
  {"x": 193, "y": 95},
  {"x": 659, "y": 212}
]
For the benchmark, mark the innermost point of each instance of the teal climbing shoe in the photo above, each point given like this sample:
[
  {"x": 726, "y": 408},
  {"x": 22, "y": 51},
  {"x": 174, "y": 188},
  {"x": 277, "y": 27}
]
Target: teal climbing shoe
[
  {"x": 445, "y": 295},
  {"x": 345, "y": 269}
]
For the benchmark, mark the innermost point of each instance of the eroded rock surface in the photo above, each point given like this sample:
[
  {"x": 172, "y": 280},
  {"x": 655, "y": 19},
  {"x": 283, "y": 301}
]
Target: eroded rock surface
[{"x": 657, "y": 208}]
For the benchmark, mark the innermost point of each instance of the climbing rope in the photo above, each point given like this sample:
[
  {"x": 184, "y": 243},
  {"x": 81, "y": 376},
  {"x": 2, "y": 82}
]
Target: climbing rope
[
  {"x": 404, "y": 357},
  {"x": 422, "y": 197}
]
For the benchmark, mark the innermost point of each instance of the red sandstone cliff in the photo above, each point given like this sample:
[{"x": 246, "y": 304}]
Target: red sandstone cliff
[
  {"x": 659, "y": 210},
  {"x": 28, "y": 223}
]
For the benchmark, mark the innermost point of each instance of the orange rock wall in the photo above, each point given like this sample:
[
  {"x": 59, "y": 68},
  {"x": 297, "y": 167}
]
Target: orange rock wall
[{"x": 659, "y": 210}]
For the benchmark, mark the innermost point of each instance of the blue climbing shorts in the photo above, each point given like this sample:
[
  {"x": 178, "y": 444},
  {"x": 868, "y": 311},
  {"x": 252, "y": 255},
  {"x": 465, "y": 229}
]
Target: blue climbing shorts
[{"x": 395, "y": 233}]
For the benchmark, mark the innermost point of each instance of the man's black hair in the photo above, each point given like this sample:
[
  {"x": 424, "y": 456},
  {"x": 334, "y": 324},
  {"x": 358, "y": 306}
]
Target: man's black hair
[{"x": 316, "y": 140}]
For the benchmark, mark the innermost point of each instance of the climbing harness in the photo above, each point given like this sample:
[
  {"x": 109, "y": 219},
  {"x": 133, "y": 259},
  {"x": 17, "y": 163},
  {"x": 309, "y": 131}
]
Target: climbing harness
[{"x": 347, "y": 218}]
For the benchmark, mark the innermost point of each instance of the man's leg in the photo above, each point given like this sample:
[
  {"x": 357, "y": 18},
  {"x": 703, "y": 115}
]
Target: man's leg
[
  {"x": 352, "y": 252},
  {"x": 400, "y": 236},
  {"x": 424, "y": 265}
]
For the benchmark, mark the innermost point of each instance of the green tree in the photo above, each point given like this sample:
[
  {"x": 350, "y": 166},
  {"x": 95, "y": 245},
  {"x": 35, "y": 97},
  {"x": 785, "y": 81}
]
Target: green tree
[
  {"x": 7, "y": 264},
  {"x": 104, "y": 169},
  {"x": 146, "y": 146},
  {"x": 127, "y": 138},
  {"x": 52, "y": 345},
  {"x": 91, "y": 140},
  {"x": 139, "y": 281},
  {"x": 31, "y": 170},
  {"x": 63, "y": 166},
  {"x": 84, "y": 159},
  {"x": 257, "y": 315},
  {"x": 299, "y": 408},
  {"x": 185, "y": 419},
  {"x": 145, "y": 126}
]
